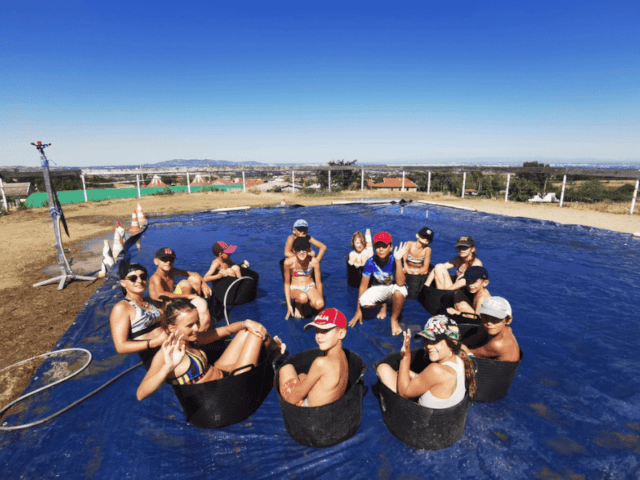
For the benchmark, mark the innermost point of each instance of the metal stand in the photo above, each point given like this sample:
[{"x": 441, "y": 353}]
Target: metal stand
[{"x": 55, "y": 212}]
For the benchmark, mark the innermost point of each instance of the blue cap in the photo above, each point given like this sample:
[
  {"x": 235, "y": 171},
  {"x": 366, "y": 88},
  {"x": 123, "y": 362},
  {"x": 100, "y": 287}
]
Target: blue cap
[
  {"x": 474, "y": 273},
  {"x": 301, "y": 223}
]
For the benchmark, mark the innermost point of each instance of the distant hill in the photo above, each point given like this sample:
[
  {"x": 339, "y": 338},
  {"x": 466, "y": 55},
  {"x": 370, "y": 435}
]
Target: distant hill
[{"x": 201, "y": 163}]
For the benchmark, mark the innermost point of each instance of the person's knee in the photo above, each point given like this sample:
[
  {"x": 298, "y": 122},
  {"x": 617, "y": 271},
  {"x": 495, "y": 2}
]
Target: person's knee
[
  {"x": 439, "y": 269},
  {"x": 185, "y": 287},
  {"x": 317, "y": 303},
  {"x": 303, "y": 298}
]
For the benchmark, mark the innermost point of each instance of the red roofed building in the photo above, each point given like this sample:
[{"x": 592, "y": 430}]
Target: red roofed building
[{"x": 391, "y": 184}]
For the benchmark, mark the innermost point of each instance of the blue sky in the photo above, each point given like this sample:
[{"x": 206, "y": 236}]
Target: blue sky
[{"x": 307, "y": 82}]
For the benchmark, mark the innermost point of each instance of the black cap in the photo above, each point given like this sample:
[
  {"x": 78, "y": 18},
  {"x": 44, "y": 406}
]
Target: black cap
[
  {"x": 301, "y": 243},
  {"x": 427, "y": 233},
  {"x": 165, "y": 252}
]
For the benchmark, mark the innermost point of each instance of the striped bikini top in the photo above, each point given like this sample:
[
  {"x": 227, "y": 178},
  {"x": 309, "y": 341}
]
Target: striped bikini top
[
  {"x": 198, "y": 366},
  {"x": 145, "y": 320},
  {"x": 300, "y": 272}
]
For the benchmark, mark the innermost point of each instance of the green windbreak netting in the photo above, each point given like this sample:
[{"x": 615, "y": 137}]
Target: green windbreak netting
[{"x": 39, "y": 199}]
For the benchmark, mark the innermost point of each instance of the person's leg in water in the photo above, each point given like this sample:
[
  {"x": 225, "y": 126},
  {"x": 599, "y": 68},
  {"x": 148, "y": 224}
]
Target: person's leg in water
[{"x": 397, "y": 304}]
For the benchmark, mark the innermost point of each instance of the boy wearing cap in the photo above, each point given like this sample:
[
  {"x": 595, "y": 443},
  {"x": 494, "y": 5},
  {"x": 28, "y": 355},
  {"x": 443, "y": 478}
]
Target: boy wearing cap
[
  {"x": 223, "y": 263},
  {"x": 469, "y": 299},
  {"x": 384, "y": 271},
  {"x": 495, "y": 338},
  {"x": 328, "y": 375},
  {"x": 301, "y": 229},
  {"x": 467, "y": 257},
  {"x": 162, "y": 285}
]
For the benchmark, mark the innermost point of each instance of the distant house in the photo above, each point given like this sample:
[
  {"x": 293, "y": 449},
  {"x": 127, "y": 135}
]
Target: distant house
[{"x": 393, "y": 184}]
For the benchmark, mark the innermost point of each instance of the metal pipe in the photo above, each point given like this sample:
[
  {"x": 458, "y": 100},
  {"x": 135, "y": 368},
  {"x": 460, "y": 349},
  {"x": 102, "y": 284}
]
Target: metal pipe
[
  {"x": 429, "y": 183},
  {"x": 84, "y": 189},
  {"x": 506, "y": 193},
  {"x": 188, "y": 182},
  {"x": 633, "y": 202},
  {"x": 464, "y": 182}
]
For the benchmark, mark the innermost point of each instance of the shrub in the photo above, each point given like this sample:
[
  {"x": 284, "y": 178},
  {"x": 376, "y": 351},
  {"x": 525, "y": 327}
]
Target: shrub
[{"x": 164, "y": 191}]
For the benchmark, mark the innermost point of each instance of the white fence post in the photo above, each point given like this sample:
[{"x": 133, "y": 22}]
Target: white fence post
[
  {"x": 84, "y": 189},
  {"x": 564, "y": 184},
  {"x": 635, "y": 196},
  {"x": 244, "y": 185},
  {"x": 403, "y": 180},
  {"x": 464, "y": 182},
  {"x": 506, "y": 193},
  {"x": 329, "y": 180},
  {"x": 293, "y": 181},
  {"x": 429, "y": 183},
  {"x": 4, "y": 199},
  {"x": 188, "y": 183},
  {"x": 138, "y": 184},
  {"x": 362, "y": 181}
]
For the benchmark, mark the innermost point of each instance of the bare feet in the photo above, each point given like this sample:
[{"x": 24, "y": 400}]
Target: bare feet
[
  {"x": 395, "y": 327},
  {"x": 296, "y": 312},
  {"x": 383, "y": 312},
  {"x": 275, "y": 345}
]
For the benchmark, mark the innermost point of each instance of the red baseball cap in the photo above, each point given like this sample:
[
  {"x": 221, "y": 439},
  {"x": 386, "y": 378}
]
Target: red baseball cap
[
  {"x": 383, "y": 237},
  {"x": 328, "y": 318}
]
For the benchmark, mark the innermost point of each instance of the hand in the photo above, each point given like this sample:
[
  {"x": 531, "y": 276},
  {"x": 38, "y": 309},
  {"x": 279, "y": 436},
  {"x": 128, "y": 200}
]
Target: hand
[
  {"x": 174, "y": 350},
  {"x": 255, "y": 328},
  {"x": 289, "y": 311},
  {"x": 452, "y": 311},
  {"x": 206, "y": 290},
  {"x": 160, "y": 339},
  {"x": 357, "y": 318},
  {"x": 246, "y": 264},
  {"x": 400, "y": 250},
  {"x": 406, "y": 344}
]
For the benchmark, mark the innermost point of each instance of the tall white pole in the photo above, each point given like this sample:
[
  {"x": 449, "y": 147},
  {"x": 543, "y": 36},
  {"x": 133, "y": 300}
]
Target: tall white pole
[
  {"x": 188, "y": 182},
  {"x": 564, "y": 185},
  {"x": 329, "y": 180},
  {"x": 362, "y": 181},
  {"x": 138, "y": 184},
  {"x": 464, "y": 182},
  {"x": 84, "y": 188},
  {"x": 403, "y": 180},
  {"x": 635, "y": 196},
  {"x": 429, "y": 183},
  {"x": 4, "y": 199},
  {"x": 293, "y": 180},
  {"x": 506, "y": 193},
  {"x": 244, "y": 185}
]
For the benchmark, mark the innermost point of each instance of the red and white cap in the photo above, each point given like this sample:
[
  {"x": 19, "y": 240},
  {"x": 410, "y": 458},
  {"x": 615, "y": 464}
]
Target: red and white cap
[
  {"x": 328, "y": 318},
  {"x": 383, "y": 237},
  {"x": 224, "y": 247}
]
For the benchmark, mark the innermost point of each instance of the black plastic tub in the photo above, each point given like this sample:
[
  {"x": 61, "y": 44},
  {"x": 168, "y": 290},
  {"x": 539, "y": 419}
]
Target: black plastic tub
[
  {"x": 354, "y": 274},
  {"x": 434, "y": 300},
  {"x": 229, "y": 400},
  {"x": 146, "y": 356},
  {"x": 493, "y": 377},
  {"x": 236, "y": 291},
  {"x": 329, "y": 424},
  {"x": 415, "y": 284},
  {"x": 413, "y": 424}
]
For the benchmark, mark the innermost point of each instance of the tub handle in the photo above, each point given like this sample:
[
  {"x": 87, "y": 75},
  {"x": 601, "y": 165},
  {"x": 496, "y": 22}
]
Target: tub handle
[
  {"x": 246, "y": 367},
  {"x": 383, "y": 405},
  {"x": 278, "y": 361}
]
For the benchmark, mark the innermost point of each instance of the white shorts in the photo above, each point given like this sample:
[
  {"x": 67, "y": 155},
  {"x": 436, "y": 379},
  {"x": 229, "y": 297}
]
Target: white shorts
[{"x": 379, "y": 294}]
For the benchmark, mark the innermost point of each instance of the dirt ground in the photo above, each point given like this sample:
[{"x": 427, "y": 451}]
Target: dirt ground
[{"x": 33, "y": 319}]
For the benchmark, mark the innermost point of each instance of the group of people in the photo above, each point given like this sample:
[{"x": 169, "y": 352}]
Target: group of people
[{"x": 175, "y": 322}]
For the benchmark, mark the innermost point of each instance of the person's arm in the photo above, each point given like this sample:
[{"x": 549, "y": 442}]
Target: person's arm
[
  {"x": 165, "y": 362},
  {"x": 211, "y": 273},
  {"x": 288, "y": 266},
  {"x": 405, "y": 257},
  {"x": 317, "y": 370},
  {"x": 398, "y": 254},
  {"x": 320, "y": 246},
  {"x": 353, "y": 258},
  {"x": 288, "y": 247},
  {"x": 424, "y": 269},
  {"x": 120, "y": 322},
  {"x": 317, "y": 274},
  {"x": 494, "y": 348},
  {"x": 368, "y": 240},
  {"x": 364, "y": 285},
  {"x": 216, "y": 334}
]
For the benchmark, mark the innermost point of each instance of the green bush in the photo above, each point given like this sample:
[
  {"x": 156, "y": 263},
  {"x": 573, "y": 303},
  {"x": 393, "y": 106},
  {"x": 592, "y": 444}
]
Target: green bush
[
  {"x": 522, "y": 189},
  {"x": 164, "y": 191}
]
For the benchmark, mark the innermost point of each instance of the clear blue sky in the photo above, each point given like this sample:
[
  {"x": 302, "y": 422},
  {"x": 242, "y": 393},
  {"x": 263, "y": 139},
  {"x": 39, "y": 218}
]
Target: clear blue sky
[{"x": 306, "y": 82}]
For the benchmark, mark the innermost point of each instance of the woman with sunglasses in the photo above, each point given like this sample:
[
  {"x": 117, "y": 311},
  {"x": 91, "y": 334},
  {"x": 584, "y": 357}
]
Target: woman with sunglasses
[
  {"x": 135, "y": 322},
  {"x": 467, "y": 257}
]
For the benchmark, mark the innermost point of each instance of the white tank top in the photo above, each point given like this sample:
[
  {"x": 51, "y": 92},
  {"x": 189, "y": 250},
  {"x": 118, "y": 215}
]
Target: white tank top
[{"x": 429, "y": 401}]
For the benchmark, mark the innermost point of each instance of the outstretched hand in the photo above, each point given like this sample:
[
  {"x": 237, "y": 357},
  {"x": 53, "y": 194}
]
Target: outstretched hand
[
  {"x": 289, "y": 311},
  {"x": 406, "y": 344},
  {"x": 400, "y": 250},
  {"x": 174, "y": 350},
  {"x": 357, "y": 318}
]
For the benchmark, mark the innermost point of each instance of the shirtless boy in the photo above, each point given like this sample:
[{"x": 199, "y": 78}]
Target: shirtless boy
[
  {"x": 495, "y": 338},
  {"x": 223, "y": 265},
  {"x": 328, "y": 376},
  {"x": 162, "y": 285},
  {"x": 469, "y": 299}
]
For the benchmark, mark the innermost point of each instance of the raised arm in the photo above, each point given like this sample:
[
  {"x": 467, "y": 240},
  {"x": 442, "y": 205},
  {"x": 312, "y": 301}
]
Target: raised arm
[
  {"x": 320, "y": 246},
  {"x": 399, "y": 253},
  {"x": 163, "y": 364},
  {"x": 288, "y": 247}
]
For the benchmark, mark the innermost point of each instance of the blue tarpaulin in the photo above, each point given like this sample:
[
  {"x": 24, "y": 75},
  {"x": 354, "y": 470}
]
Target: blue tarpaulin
[{"x": 573, "y": 410}]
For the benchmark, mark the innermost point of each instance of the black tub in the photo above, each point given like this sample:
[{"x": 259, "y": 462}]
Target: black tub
[
  {"x": 433, "y": 300},
  {"x": 413, "y": 424},
  {"x": 493, "y": 377},
  {"x": 354, "y": 274},
  {"x": 229, "y": 400},
  {"x": 146, "y": 356},
  {"x": 329, "y": 424},
  {"x": 234, "y": 291},
  {"x": 415, "y": 285}
]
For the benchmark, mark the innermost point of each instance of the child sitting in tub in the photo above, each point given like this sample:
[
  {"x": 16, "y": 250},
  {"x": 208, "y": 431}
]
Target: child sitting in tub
[
  {"x": 328, "y": 376},
  {"x": 495, "y": 338},
  {"x": 222, "y": 264},
  {"x": 362, "y": 248}
]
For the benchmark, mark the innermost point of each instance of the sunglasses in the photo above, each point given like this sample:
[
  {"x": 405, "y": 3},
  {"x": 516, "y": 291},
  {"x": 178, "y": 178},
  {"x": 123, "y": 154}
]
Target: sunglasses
[
  {"x": 134, "y": 278},
  {"x": 167, "y": 259}
]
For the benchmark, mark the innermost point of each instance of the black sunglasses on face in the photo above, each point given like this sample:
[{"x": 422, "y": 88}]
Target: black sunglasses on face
[{"x": 134, "y": 278}]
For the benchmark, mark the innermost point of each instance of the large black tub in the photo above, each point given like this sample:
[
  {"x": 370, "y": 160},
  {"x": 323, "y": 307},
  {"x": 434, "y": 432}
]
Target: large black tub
[
  {"x": 433, "y": 300},
  {"x": 236, "y": 291},
  {"x": 229, "y": 400},
  {"x": 146, "y": 356},
  {"x": 329, "y": 424},
  {"x": 493, "y": 377},
  {"x": 413, "y": 424}
]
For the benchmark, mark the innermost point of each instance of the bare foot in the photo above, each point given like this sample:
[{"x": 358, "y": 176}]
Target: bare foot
[
  {"x": 296, "y": 312},
  {"x": 275, "y": 345},
  {"x": 383, "y": 312},
  {"x": 395, "y": 328}
]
